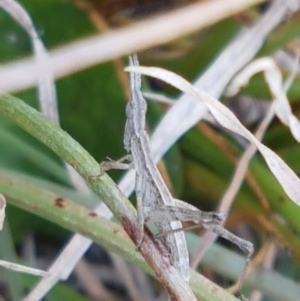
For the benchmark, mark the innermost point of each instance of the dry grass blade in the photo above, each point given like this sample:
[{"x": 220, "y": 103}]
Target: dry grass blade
[
  {"x": 285, "y": 176},
  {"x": 187, "y": 111},
  {"x": 159, "y": 98},
  {"x": 46, "y": 86},
  {"x": 2, "y": 210},
  {"x": 273, "y": 78},
  {"x": 234, "y": 187},
  {"x": 155, "y": 31},
  {"x": 267, "y": 262},
  {"x": 23, "y": 269}
]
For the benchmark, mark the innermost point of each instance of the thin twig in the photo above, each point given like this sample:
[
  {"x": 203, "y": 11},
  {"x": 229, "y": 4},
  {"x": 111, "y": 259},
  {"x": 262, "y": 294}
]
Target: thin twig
[
  {"x": 124, "y": 271},
  {"x": 90, "y": 282},
  {"x": 234, "y": 187},
  {"x": 267, "y": 262}
]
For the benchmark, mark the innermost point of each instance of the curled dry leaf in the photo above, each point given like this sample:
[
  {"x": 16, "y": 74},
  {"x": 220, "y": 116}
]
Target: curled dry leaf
[
  {"x": 274, "y": 80},
  {"x": 285, "y": 176}
]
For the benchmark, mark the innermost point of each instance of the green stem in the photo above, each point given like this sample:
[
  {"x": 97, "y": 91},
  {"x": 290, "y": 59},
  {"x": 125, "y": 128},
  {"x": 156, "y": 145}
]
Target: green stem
[
  {"x": 73, "y": 153},
  {"x": 39, "y": 200},
  {"x": 106, "y": 233}
]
